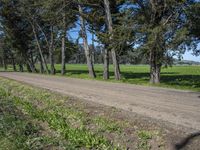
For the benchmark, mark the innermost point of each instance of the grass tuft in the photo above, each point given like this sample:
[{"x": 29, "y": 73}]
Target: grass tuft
[{"x": 144, "y": 137}]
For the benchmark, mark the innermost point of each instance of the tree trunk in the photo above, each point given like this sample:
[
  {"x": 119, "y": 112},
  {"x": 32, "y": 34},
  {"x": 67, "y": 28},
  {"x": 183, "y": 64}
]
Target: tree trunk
[
  {"x": 14, "y": 65},
  {"x": 116, "y": 65},
  {"x": 41, "y": 67},
  {"x": 32, "y": 62},
  {"x": 110, "y": 29},
  {"x": 28, "y": 68},
  {"x": 1, "y": 65},
  {"x": 106, "y": 74},
  {"x": 51, "y": 49},
  {"x": 63, "y": 69},
  {"x": 21, "y": 68},
  {"x": 86, "y": 47},
  {"x": 93, "y": 48},
  {"x": 155, "y": 68},
  {"x": 4, "y": 64},
  {"x": 31, "y": 66},
  {"x": 40, "y": 50}
]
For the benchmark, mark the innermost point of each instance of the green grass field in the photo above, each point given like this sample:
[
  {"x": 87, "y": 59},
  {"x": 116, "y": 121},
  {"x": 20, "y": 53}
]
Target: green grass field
[{"x": 178, "y": 77}]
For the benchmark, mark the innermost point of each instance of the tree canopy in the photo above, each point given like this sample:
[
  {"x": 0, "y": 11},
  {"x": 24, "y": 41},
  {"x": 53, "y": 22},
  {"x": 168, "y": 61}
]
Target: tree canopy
[{"x": 36, "y": 32}]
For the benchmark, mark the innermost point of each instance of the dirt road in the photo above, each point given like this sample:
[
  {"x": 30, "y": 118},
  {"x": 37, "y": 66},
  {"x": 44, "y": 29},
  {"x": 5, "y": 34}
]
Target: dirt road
[{"x": 182, "y": 108}]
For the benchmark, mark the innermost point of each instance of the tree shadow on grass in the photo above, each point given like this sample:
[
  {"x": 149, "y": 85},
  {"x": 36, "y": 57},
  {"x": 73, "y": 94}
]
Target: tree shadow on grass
[
  {"x": 192, "y": 81},
  {"x": 16, "y": 127},
  {"x": 83, "y": 72},
  {"x": 187, "y": 141},
  {"x": 76, "y": 72},
  {"x": 167, "y": 78},
  {"x": 6, "y": 71},
  {"x": 21, "y": 131},
  {"x": 132, "y": 75}
]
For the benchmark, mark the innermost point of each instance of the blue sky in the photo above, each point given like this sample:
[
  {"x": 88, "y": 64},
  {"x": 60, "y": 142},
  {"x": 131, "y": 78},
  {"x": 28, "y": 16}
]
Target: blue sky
[{"x": 189, "y": 56}]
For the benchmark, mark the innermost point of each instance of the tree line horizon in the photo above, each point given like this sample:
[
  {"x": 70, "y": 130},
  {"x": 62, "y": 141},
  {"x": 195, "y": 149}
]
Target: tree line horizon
[{"x": 148, "y": 31}]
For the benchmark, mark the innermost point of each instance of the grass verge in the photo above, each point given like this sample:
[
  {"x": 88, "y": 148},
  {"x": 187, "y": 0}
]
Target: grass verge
[{"x": 33, "y": 118}]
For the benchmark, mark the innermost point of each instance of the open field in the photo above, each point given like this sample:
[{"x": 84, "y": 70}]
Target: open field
[
  {"x": 33, "y": 118},
  {"x": 179, "y": 77}
]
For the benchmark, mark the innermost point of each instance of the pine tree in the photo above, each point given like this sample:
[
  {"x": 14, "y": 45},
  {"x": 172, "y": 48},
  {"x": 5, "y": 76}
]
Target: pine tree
[
  {"x": 193, "y": 14},
  {"x": 160, "y": 31}
]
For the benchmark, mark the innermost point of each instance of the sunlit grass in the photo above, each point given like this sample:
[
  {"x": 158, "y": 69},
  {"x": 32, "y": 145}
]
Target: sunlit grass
[
  {"x": 34, "y": 118},
  {"x": 179, "y": 77}
]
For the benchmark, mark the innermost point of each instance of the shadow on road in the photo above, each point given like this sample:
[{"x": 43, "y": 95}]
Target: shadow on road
[{"x": 187, "y": 140}]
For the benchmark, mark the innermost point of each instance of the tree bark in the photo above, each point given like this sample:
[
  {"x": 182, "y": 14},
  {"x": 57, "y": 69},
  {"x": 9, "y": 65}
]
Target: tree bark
[
  {"x": 40, "y": 50},
  {"x": 110, "y": 29},
  {"x": 63, "y": 49},
  {"x": 86, "y": 46},
  {"x": 51, "y": 50},
  {"x": 93, "y": 48},
  {"x": 4, "y": 64},
  {"x": 50, "y": 46},
  {"x": 30, "y": 66},
  {"x": 1, "y": 63},
  {"x": 21, "y": 68},
  {"x": 155, "y": 68},
  {"x": 41, "y": 66},
  {"x": 14, "y": 65},
  {"x": 106, "y": 74}
]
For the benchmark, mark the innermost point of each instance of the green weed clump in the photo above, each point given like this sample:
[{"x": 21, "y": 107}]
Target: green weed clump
[
  {"x": 48, "y": 108},
  {"x": 32, "y": 118},
  {"x": 18, "y": 130},
  {"x": 107, "y": 125},
  {"x": 144, "y": 137}
]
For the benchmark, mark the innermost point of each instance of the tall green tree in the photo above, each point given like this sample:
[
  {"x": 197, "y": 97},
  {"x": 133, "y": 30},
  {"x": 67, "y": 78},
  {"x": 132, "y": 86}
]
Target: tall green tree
[
  {"x": 160, "y": 31},
  {"x": 102, "y": 19},
  {"x": 193, "y": 16},
  {"x": 18, "y": 34},
  {"x": 88, "y": 53}
]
